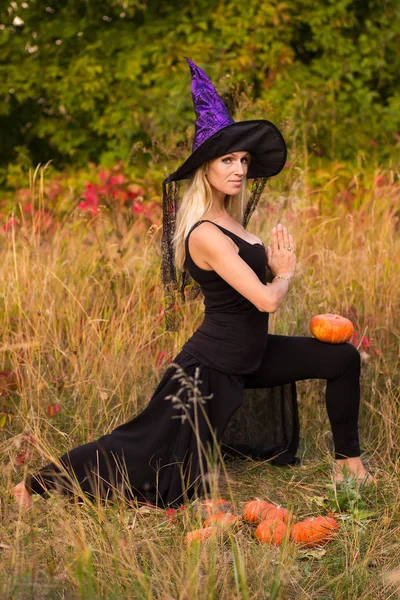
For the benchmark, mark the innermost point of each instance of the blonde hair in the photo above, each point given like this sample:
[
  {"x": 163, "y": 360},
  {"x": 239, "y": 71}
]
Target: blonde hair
[{"x": 196, "y": 201}]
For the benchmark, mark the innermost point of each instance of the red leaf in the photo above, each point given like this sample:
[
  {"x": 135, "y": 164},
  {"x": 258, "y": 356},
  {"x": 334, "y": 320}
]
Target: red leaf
[
  {"x": 22, "y": 457},
  {"x": 366, "y": 342},
  {"x": 117, "y": 179},
  {"x": 53, "y": 409},
  {"x": 354, "y": 339},
  {"x": 104, "y": 176},
  {"x": 89, "y": 207},
  {"x": 160, "y": 358},
  {"x": 137, "y": 208},
  {"x": 10, "y": 224},
  {"x": 170, "y": 514}
]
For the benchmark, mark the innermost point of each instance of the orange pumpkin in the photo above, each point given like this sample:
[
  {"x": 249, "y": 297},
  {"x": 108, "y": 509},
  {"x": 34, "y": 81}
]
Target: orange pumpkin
[
  {"x": 221, "y": 519},
  {"x": 271, "y": 531},
  {"x": 253, "y": 510},
  {"x": 210, "y": 506},
  {"x": 277, "y": 512},
  {"x": 331, "y": 328},
  {"x": 200, "y": 535},
  {"x": 314, "y": 531}
]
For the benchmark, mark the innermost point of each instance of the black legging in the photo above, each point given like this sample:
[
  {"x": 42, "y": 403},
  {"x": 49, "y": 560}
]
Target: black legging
[{"x": 288, "y": 359}]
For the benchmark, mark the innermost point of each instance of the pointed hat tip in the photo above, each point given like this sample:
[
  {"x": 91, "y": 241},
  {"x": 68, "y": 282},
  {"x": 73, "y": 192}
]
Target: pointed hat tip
[
  {"x": 191, "y": 64},
  {"x": 211, "y": 112}
]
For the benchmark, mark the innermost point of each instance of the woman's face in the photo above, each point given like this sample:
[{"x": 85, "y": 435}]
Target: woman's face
[{"x": 226, "y": 173}]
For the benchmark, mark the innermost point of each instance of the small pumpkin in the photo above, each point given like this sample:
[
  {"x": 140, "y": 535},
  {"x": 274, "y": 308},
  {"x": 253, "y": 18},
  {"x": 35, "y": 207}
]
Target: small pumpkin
[
  {"x": 331, "y": 328},
  {"x": 271, "y": 531},
  {"x": 221, "y": 519},
  {"x": 200, "y": 535},
  {"x": 314, "y": 531},
  {"x": 253, "y": 510},
  {"x": 211, "y": 506},
  {"x": 277, "y": 512}
]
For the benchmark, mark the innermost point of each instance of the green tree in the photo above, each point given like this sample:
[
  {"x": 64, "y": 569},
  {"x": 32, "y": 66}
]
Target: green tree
[{"x": 85, "y": 81}]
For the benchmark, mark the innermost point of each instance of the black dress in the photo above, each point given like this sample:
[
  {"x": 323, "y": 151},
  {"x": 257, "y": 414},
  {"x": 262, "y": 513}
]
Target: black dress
[{"x": 163, "y": 455}]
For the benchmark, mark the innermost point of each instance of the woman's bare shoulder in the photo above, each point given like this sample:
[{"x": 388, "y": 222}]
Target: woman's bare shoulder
[{"x": 206, "y": 236}]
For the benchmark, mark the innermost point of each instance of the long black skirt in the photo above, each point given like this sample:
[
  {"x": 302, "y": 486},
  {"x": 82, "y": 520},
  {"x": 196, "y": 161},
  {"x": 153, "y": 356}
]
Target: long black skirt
[{"x": 196, "y": 417}]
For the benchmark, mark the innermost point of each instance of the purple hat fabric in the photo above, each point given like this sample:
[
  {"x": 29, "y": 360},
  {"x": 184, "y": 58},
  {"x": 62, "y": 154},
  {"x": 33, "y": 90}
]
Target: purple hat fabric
[{"x": 211, "y": 113}]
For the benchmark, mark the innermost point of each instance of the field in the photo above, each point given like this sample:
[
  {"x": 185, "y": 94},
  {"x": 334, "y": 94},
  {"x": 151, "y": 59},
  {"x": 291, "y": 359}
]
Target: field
[{"x": 83, "y": 345}]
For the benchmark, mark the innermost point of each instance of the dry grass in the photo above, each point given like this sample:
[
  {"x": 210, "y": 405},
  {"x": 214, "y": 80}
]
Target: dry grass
[{"x": 81, "y": 328}]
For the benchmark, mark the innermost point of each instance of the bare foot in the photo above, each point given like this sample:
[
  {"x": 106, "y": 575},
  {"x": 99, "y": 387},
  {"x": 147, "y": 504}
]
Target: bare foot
[
  {"x": 22, "y": 496},
  {"x": 352, "y": 468}
]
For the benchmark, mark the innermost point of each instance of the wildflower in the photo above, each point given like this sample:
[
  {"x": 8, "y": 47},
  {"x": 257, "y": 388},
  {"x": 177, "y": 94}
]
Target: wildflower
[
  {"x": 379, "y": 180},
  {"x": 91, "y": 202},
  {"x": 120, "y": 195},
  {"x": 364, "y": 343},
  {"x": 170, "y": 513},
  {"x": 53, "y": 409},
  {"x": 137, "y": 208},
  {"x": 135, "y": 191},
  {"x": 160, "y": 358},
  {"x": 116, "y": 179},
  {"x": 152, "y": 210},
  {"x": 22, "y": 457},
  {"x": 104, "y": 175},
  {"x": 354, "y": 339},
  {"x": 10, "y": 224},
  {"x": 89, "y": 207}
]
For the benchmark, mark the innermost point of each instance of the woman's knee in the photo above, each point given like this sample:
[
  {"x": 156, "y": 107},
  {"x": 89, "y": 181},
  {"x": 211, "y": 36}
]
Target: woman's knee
[{"x": 349, "y": 358}]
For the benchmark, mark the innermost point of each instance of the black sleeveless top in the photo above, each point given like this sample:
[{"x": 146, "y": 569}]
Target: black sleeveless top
[{"x": 233, "y": 335}]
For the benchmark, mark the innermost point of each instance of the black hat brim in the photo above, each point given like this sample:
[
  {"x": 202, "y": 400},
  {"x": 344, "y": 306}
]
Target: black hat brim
[{"x": 261, "y": 138}]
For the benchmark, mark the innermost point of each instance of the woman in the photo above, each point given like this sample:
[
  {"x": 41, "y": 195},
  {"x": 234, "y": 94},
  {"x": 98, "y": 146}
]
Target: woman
[{"x": 163, "y": 455}]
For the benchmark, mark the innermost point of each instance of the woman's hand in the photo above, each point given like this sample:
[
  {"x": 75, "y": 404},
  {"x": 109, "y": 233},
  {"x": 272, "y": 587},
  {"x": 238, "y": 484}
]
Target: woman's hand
[{"x": 281, "y": 257}]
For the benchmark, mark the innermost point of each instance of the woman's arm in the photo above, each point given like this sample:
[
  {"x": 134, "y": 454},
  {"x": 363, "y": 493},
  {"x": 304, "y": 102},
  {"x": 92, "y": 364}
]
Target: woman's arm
[{"x": 218, "y": 253}]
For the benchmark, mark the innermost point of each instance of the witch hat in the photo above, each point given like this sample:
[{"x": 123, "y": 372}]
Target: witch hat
[{"x": 216, "y": 134}]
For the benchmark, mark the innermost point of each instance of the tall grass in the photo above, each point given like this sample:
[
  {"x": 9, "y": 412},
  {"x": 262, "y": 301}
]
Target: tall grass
[{"x": 81, "y": 328}]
